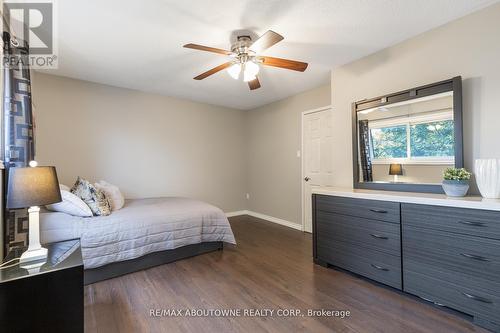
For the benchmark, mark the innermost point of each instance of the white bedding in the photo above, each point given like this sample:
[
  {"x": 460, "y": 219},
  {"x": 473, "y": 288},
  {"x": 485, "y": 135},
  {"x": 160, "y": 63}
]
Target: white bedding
[{"x": 142, "y": 226}]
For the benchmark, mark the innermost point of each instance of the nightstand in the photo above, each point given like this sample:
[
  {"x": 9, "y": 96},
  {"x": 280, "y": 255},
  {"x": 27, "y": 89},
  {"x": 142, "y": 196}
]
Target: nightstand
[{"x": 48, "y": 298}]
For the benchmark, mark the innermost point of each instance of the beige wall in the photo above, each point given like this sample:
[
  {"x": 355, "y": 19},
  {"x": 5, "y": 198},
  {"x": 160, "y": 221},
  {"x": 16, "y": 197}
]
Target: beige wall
[
  {"x": 273, "y": 139},
  {"x": 149, "y": 145},
  {"x": 412, "y": 173},
  {"x": 153, "y": 145},
  {"x": 468, "y": 47}
]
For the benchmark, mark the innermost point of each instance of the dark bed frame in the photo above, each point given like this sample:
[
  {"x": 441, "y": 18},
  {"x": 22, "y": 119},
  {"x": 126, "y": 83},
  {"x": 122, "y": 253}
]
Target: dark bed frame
[{"x": 147, "y": 261}]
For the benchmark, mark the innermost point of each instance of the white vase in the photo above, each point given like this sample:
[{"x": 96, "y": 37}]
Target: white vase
[{"x": 487, "y": 173}]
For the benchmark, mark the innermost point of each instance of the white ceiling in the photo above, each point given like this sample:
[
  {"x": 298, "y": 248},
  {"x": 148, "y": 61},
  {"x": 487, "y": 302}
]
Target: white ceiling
[{"x": 138, "y": 44}]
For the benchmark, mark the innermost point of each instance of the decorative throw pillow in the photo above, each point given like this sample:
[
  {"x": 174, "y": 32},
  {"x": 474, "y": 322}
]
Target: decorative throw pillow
[
  {"x": 113, "y": 194},
  {"x": 93, "y": 197},
  {"x": 71, "y": 204}
]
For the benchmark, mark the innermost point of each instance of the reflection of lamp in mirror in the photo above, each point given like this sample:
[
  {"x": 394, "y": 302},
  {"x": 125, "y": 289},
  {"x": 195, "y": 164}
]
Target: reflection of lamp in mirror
[{"x": 395, "y": 170}]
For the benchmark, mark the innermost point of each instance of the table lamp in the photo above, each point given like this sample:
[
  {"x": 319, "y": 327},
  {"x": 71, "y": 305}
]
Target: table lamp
[
  {"x": 30, "y": 188},
  {"x": 395, "y": 170}
]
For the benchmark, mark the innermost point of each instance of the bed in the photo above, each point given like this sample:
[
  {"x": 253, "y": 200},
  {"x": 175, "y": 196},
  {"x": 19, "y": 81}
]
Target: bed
[{"x": 144, "y": 233}]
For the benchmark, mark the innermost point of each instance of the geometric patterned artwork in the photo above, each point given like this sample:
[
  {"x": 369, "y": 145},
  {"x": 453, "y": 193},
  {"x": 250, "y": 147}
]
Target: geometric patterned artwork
[{"x": 19, "y": 138}]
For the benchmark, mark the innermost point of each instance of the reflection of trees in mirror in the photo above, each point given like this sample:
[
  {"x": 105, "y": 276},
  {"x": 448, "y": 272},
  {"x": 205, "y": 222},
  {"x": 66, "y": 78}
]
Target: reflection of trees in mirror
[
  {"x": 389, "y": 142},
  {"x": 432, "y": 139},
  {"x": 429, "y": 139}
]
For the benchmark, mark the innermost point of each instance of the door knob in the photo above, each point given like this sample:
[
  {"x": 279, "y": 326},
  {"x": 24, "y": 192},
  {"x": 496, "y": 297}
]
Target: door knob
[{"x": 307, "y": 179}]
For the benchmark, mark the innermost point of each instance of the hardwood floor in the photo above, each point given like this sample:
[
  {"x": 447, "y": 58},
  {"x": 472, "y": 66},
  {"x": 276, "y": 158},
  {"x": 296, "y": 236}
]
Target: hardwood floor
[{"x": 270, "y": 268}]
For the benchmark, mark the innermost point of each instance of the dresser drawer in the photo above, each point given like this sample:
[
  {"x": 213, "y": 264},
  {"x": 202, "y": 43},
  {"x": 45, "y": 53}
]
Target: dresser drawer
[
  {"x": 359, "y": 232},
  {"x": 457, "y": 258},
  {"x": 378, "y": 266},
  {"x": 473, "y": 301},
  {"x": 372, "y": 209},
  {"x": 474, "y": 222}
]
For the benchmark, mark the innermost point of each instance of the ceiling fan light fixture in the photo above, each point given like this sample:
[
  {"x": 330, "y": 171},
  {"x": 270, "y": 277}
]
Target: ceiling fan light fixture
[
  {"x": 250, "y": 72},
  {"x": 246, "y": 58},
  {"x": 252, "y": 68},
  {"x": 247, "y": 78},
  {"x": 234, "y": 70}
]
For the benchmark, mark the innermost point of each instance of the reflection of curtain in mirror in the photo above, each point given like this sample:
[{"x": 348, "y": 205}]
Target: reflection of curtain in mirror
[
  {"x": 18, "y": 137},
  {"x": 364, "y": 151}
]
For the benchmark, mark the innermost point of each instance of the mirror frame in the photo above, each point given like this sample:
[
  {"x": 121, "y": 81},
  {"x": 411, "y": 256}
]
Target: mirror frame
[{"x": 454, "y": 85}]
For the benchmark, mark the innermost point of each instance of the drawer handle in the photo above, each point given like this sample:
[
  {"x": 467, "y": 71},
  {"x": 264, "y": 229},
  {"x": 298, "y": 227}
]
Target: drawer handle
[
  {"x": 478, "y": 298},
  {"x": 380, "y": 268},
  {"x": 381, "y": 211},
  {"x": 473, "y": 256},
  {"x": 473, "y": 223},
  {"x": 433, "y": 302},
  {"x": 379, "y": 236}
]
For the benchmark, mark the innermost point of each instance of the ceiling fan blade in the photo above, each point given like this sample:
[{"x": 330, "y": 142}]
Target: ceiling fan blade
[
  {"x": 207, "y": 48},
  {"x": 254, "y": 84},
  {"x": 266, "y": 41},
  {"x": 213, "y": 71},
  {"x": 284, "y": 63}
]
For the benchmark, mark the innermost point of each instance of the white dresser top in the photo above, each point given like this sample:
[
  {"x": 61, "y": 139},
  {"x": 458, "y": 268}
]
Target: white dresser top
[{"x": 473, "y": 202}]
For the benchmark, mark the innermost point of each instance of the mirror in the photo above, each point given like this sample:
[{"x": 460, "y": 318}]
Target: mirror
[{"x": 405, "y": 141}]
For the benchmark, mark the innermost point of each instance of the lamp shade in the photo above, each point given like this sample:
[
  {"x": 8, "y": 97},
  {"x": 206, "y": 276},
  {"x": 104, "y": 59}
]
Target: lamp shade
[
  {"x": 29, "y": 187},
  {"x": 395, "y": 169}
]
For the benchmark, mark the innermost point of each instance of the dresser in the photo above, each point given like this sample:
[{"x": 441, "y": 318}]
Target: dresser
[{"x": 446, "y": 251}]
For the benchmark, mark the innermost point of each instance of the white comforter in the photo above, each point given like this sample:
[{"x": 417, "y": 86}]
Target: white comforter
[{"x": 142, "y": 226}]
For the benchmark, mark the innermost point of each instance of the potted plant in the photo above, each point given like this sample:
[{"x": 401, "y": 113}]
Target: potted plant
[{"x": 456, "y": 182}]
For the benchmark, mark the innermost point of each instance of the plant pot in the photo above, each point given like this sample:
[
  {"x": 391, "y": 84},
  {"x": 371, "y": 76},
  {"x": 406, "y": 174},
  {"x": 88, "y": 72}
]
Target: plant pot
[
  {"x": 455, "y": 188},
  {"x": 487, "y": 172}
]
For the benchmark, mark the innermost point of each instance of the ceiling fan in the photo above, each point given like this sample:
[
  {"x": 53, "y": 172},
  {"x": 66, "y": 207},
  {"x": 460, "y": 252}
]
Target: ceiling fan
[{"x": 247, "y": 58}]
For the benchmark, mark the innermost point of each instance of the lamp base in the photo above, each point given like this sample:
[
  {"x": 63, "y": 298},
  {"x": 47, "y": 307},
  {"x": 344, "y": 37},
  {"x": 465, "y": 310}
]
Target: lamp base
[
  {"x": 35, "y": 250},
  {"x": 33, "y": 255}
]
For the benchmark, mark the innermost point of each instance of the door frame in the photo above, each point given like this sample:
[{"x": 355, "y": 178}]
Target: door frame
[{"x": 302, "y": 161}]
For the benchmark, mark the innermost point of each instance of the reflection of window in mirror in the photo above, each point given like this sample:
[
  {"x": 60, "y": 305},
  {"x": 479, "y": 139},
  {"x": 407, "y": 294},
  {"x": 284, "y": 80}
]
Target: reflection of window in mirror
[
  {"x": 419, "y": 134},
  {"x": 422, "y": 139}
]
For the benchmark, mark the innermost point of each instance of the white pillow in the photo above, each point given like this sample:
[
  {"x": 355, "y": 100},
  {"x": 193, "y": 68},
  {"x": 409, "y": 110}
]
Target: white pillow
[
  {"x": 113, "y": 194},
  {"x": 63, "y": 187},
  {"x": 72, "y": 205}
]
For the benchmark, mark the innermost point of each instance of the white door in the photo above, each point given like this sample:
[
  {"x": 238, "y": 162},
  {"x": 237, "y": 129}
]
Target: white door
[{"x": 316, "y": 157}]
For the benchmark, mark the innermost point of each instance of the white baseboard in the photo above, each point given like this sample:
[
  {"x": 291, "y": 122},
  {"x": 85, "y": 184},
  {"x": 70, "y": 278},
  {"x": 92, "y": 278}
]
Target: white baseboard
[
  {"x": 237, "y": 213},
  {"x": 267, "y": 218}
]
